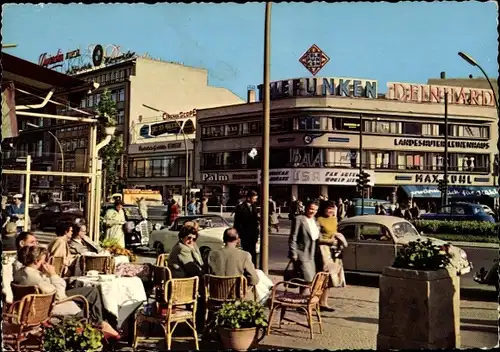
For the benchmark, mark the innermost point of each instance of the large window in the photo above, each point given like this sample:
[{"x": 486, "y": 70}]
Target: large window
[
  {"x": 412, "y": 128},
  {"x": 382, "y": 127},
  {"x": 379, "y": 159},
  {"x": 120, "y": 117},
  {"x": 470, "y": 162},
  {"x": 343, "y": 158},
  {"x": 411, "y": 161},
  {"x": 346, "y": 124},
  {"x": 165, "y": 166},
  {"x": 310, "y": 123}
]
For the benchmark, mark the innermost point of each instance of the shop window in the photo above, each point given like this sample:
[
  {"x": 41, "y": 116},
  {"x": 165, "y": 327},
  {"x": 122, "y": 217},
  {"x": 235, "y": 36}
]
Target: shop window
[
  {"x": 346, "y": 124},
  {"x": 411, "y": 161},
  {"x": 255, "y": 127},
  {"x": 414, "y": 128},
  {"x": 470, "y": 162},
  {"x": 430, "y": 129},
  {"x": 310, "y": 123},
  {"x": 157, "y": 167},
  {"x": 232, "y": 129},
  {"x": 379, "y": 159}
]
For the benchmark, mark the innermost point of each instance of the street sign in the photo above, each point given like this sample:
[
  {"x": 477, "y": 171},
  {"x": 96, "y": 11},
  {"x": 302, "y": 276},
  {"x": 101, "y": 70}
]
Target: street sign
[{"x": 314, "y": 59}]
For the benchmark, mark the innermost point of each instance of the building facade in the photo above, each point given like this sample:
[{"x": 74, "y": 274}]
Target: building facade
[
  {"x": 134, "y": 80},
  {"x": 315, "y": 141}
]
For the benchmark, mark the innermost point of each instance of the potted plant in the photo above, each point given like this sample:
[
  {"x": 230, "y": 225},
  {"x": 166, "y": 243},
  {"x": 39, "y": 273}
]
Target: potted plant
[
  {"x": 419, "y": 302},
  {"x": 109, "y": 124},
  {"x": 106, "y": 110},
  {"x": 114, "y": 248},
  {"x": 239, "y": 323},
  {"x": 71, "y": 334}
]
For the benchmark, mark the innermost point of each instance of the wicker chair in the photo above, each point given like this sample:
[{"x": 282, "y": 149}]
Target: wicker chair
[
  {"x": 179, "y": 293},
  {"x": 162, "y": 259},
  {"x": 21, "y": 291},
  {"x": 219, "y": 290},
  {"x": 103, "y": 264},
  {"x": 58, "y": 263},
  {"x": 308, "y": 303},
  {"x": 25, "y": 319}
]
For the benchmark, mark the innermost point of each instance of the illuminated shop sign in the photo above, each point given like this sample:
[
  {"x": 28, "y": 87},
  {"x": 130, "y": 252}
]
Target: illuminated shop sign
[
  {"x": 326, "y": 176},
  {"x": 322, "y": 87},
  {"x": 425, "y": 93},
  {"x": 415, "y": 142},
  {"x": 166, "y": 128}
]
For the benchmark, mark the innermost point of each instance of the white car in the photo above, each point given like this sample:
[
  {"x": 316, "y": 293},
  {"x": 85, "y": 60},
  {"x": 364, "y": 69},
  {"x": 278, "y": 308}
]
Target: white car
[
  {"x": 211, "y": 231},
  {"x": 374, "y": 240}
]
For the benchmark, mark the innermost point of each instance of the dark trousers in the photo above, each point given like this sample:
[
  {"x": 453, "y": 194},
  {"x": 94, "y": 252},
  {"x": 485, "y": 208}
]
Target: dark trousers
[
  {"x": 94, "y": 297},
  {"x": 250, "y": 248}
]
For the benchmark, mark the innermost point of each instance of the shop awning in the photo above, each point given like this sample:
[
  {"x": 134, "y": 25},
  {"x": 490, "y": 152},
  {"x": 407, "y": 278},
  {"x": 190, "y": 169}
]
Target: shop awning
[{"x": 453, "y": 191}]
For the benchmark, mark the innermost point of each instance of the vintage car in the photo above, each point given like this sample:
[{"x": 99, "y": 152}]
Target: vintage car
[
  {"x": 374, "y": 240},
  {"x": 53, "y": 213},
  {"x": 211, "y": 231}
]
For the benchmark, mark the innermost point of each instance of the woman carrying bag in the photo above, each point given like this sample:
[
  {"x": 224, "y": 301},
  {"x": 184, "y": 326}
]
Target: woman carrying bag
[{"x": 327, "y": 254}]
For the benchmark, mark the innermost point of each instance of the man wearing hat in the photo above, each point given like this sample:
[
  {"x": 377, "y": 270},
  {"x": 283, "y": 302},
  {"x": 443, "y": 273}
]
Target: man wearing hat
[{"x": 15, "y": 212}]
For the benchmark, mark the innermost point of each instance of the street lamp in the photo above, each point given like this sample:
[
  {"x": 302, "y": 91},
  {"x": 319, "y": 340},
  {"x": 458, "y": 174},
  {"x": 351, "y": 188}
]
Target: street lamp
[
  {"x": 186, "y": 186},
  {"x": 60, "y": 148}
]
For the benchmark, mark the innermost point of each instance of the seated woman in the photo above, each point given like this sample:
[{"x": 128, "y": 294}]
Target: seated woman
[
  {"x": 25, "y": 239},
  {"x": 37, "y": 272},
  {"x": 60, "y": 247},
  {"x": 185, "y": 258},
  {"x": 80, "y": 243}
]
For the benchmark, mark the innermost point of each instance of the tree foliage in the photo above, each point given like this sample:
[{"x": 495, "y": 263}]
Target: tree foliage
[{"x": 111, "y": 153}]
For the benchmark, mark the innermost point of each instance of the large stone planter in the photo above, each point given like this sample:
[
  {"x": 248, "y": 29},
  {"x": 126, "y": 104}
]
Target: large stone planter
[{"x": 418, "y": 309}]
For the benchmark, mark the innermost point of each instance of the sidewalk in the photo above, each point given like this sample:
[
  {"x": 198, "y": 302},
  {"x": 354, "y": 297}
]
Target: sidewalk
[{"x": 354, "y": 325}]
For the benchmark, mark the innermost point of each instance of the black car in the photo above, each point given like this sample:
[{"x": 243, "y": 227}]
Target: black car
[
  {"x": 51, "y": 214},
  {"x": 136, "y": 230}
]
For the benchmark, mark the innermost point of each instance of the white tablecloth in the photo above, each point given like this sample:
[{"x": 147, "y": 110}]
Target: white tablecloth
[{"x": 121, "y": 296}]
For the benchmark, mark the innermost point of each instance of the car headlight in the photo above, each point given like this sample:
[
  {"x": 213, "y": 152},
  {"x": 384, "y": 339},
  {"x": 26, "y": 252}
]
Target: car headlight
[
  {"x": 138, "y": 228},
  {"x": 132, "y": 238},
  {"x": 463, "y": 255},
  {"x": 157, "y": 227}
]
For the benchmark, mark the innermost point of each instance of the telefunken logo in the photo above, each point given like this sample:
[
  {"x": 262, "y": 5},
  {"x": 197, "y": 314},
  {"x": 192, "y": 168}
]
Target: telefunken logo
[
  {"x": 440, "y": 144},
  {"x": 156, "y": 147}
]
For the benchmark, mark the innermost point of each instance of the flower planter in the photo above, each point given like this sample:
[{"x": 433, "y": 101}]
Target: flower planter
[
  {"x": 238, "y": 339},
  {"x": 109, "y": 130},
  {"x": 419, "y": 309}
]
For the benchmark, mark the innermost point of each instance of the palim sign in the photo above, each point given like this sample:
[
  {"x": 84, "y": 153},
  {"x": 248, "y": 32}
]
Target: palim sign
[{"x": 309, "y": 87}]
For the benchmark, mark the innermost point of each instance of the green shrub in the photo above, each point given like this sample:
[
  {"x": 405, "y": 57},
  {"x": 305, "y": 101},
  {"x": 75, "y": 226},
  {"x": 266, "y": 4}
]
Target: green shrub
[
  {"x": 480, "y": 228},
  {"x": 71, "y": 334},
  {"x": 422, "y": 255}
]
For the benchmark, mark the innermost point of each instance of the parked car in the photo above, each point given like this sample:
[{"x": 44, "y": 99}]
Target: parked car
[
  {"x": 488, "y": 210},
  {"x": 211, "y": 231},
  {"x": 53, "y": 213},
  {"x": 374, "y": 241},
  {"x": 369, "y": 205},
  {"x": 137, "y": 229},
  {"x": 460, "y": 212}
]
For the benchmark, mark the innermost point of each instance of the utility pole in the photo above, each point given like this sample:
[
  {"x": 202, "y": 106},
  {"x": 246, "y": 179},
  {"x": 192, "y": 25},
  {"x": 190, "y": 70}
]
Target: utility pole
[
  {"x": 362, "y": 190},
  {"x": 264, "y": 205},
  {"x": 445, "y": 161}
]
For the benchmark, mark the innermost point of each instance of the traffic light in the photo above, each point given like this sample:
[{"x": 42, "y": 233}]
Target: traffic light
[
  {"x": 363, "y": 181},
  {"x": 442, "y": 186}
]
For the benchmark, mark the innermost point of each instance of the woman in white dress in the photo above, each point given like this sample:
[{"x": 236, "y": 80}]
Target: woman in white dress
[{"x": 114, "y": 221}]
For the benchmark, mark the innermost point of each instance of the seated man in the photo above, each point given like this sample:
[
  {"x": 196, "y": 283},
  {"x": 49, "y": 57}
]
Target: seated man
[{"x": 232, "y": 261}]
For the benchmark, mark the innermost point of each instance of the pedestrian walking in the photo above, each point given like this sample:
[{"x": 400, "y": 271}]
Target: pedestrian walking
[
  {"x": 273, "y": 215},
  {"x": 246, "y": 222},
  {"x": 302, "y": 242},
  {"x": 191, "y": 208},
  {"x": 341, "y": 210}
]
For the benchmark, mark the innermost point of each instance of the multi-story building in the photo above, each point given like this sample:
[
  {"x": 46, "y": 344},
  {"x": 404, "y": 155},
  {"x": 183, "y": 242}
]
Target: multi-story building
[
  {"x": 315, "y": 141},
  {"x": 133, "y": 81},
  {"x": 35, "y": 137}
]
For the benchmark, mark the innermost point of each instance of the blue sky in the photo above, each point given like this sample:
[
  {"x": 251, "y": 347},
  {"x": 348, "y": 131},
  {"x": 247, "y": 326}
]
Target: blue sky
[{"x": 396, "y": 42}]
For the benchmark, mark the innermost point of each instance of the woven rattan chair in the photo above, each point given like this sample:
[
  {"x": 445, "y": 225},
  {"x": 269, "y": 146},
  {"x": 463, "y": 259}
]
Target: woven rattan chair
[
  {"x": 58, "y": 263},
  {"x": 287, "y": 299},
  {"x": 103, "y": 264},
  {"x": 220, "y": 290},
  {"x": 179, "y": 294},
  {"x": 25, "y": 319},
  {"x": 21, "y": 291},
  {"x": 162, "y": 259}
]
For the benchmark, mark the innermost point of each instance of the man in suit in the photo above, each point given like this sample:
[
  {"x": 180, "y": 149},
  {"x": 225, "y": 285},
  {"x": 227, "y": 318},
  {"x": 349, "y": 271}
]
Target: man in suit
[
  {"x": 302, "y": 241},
  {"x": 232, "y": 261},
  {"x": 246, "y": 222}
]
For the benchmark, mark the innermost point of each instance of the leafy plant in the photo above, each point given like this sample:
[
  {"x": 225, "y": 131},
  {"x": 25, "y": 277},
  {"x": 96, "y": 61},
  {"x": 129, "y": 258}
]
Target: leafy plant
[
  {"x": 423, "y": 255},
  {"x": 106, "y": 109},
  {"x": 241, "y": 314},
  {"x": 481, "y": 228},
  {"x": 71, "y": 334},
  {"x": 113, "y": 247}
]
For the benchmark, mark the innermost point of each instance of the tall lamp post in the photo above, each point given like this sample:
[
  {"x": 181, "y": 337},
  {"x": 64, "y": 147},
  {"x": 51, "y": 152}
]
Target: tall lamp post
[
  {"x": 186, "y": 180},
  {"x": 470, "y": 60},
  {"x": 59, "y": 145},
  {"x": 264, "y": 217}
]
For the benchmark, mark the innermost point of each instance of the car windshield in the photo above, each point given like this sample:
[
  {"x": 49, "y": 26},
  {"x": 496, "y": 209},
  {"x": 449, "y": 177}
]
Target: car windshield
[
  {"x": 476, "y": 210},
  {"x": 401, "y": 229},
  {"x": 207, "y": 222},
  {"x": 131, "y": 211},
  {"x": 70, "y": 207}
]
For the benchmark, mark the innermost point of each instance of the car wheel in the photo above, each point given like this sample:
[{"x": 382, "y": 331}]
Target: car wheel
[{"x": 159, "y": 248}]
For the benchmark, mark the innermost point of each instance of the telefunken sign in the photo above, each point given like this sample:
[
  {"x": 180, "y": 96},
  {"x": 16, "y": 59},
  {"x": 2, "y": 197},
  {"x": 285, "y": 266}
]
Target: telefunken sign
[
  {"x": 425, "y": 93},
  {"x": 325, "y": 176},
  {"x": 413, "y": 142},
  {"x": 308, "y": 87}
]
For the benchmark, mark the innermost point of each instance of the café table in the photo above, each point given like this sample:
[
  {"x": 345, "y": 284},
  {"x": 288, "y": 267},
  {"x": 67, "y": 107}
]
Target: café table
[{"x": 121, "y": 295}]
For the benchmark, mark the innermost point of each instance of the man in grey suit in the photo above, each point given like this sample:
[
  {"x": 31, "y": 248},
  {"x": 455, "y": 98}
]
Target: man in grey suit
[
  {"x": 232, "y": 261},
  {"x": 302, "y": 241}
]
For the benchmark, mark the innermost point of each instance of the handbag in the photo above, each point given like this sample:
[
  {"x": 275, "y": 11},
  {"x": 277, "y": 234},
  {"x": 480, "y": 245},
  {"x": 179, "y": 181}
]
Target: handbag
[{"x": 292, "y": 271}]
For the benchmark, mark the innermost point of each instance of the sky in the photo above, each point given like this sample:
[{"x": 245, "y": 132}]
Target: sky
[{"x": 388, "y": 42}]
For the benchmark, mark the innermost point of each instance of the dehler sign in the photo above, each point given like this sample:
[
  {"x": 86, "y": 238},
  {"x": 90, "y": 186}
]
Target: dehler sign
[{"x": 425, "y": 93}]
